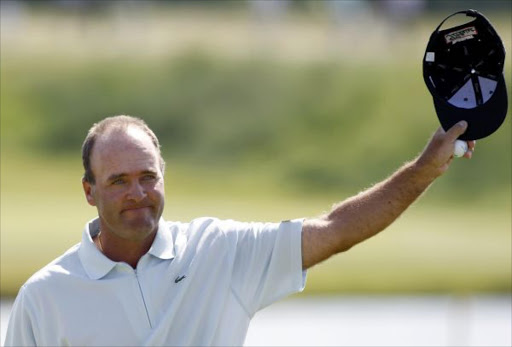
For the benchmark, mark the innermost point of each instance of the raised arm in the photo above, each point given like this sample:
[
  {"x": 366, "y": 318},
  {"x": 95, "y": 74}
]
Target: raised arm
[{"x": 366, "y": 214}]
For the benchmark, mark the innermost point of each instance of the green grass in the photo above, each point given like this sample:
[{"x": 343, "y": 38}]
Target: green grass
[
  {"x": 250, "y": 133},
  {"x": 434, "y": 247},
  {"x": 318, "y": 127},
  {"x": 430, "y": 249}
]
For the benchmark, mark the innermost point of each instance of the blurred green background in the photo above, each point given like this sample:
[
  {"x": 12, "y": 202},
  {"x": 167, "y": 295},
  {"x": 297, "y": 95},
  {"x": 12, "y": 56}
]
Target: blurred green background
[{"x": 266, "y": 111}]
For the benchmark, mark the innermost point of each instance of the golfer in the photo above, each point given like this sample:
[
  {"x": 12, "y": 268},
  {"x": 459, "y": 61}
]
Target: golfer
[{"x": 138, "y": 280}]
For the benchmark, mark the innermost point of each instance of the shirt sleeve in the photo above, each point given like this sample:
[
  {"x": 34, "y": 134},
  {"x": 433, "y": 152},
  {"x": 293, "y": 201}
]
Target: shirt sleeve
[
  {"x": 19, "y": 329},
  {"x": 268, "y": 263}
]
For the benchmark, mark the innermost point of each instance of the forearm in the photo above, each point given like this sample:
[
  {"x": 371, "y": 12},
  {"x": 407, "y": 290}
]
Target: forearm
[
  {"x": 371, "y": 211},
  {"x": 363, "y": 215}
]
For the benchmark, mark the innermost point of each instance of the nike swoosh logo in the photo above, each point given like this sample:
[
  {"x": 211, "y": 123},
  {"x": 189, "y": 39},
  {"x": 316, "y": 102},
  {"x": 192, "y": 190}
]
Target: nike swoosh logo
[{"x": 179, "y": 278}]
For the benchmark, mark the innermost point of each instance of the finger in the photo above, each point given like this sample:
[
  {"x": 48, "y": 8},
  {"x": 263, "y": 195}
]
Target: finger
[
  {"x": 455, "y": 131},
  {"x": 471, "y": 149}
]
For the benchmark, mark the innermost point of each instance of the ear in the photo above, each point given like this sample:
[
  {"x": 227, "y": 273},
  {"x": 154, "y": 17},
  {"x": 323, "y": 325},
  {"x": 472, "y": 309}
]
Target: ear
[{"x": 89, "y": 192}]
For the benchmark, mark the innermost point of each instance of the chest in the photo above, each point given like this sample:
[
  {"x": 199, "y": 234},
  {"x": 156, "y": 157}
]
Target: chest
[{"x": 180, "y": 301}]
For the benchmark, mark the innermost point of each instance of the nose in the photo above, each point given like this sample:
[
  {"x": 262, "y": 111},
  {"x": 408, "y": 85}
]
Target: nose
[{"x": 137, "y": 192}]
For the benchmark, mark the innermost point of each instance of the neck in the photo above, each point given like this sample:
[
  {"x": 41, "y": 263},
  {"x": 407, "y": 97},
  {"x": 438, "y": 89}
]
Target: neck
[{"x": 123, "y": 250}]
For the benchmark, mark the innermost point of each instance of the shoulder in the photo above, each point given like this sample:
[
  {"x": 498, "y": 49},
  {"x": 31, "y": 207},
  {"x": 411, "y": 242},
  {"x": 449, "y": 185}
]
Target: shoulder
[
  {"x": 65, "y": 265},
  {"x": 229, "y": 228},
  {"x": 206, "y": 233},
  {"x": 198, "y": 226}
]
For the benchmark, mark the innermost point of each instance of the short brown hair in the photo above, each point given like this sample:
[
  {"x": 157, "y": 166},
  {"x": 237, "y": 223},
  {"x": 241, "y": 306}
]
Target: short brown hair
[{"x": 119, "y": 122}]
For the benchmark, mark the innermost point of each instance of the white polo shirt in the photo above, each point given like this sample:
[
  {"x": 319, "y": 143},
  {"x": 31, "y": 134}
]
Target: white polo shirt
[{"x": 199, "y": 285}]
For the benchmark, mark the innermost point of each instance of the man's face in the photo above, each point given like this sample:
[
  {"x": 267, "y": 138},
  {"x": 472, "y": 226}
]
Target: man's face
[{"x": 129, "y": 187}]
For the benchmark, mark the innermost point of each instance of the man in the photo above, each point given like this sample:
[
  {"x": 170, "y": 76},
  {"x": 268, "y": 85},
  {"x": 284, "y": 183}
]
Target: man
[{"x": 137, "y": 280}]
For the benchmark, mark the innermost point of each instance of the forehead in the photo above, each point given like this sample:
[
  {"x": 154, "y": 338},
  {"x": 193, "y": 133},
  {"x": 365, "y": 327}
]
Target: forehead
[{"x": 124, "y": 151}]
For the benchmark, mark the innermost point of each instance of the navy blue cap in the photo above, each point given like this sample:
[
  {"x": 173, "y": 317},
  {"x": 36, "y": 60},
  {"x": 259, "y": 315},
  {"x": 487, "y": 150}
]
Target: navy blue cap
[{"x": 463, "y": 70}]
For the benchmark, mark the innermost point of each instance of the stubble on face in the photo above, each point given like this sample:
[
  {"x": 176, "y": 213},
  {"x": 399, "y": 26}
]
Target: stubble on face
[{"x": 129, "y": 188}]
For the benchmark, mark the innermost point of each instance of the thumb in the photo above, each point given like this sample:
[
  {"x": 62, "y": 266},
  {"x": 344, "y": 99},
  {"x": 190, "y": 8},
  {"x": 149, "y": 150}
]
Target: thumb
[{"x": 458, "y": 129}]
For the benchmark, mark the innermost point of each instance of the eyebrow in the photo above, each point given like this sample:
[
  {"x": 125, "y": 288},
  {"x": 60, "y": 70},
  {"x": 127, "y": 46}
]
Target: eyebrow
[{"x": 114, "y": 177}]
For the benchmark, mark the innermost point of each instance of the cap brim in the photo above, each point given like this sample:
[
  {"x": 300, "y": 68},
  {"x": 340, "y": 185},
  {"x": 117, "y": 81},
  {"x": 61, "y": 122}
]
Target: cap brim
[{"x": 482, "y": 120}]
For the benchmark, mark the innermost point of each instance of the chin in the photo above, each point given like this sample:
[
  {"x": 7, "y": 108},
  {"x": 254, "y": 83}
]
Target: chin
[{"x": 141, "y": 227}]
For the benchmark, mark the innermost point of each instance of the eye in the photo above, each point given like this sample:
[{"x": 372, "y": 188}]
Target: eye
[
  {"x": 149, "y": 177},
  {"x": 118, "y": 181}
]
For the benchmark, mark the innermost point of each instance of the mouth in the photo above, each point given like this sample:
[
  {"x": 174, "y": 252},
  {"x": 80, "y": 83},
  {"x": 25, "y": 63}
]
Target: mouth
[{"x": 135, "y": 208}]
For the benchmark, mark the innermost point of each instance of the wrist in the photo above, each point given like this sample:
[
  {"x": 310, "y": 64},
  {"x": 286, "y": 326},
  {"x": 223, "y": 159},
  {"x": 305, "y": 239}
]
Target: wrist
[{"x": 423, "y": 172}]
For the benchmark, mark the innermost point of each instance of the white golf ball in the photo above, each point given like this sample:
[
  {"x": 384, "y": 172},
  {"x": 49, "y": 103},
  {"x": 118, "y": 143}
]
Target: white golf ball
[{"x": 461, "y": 148}]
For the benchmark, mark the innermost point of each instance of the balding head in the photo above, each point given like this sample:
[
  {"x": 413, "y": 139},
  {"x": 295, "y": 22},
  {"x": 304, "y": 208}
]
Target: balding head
[{"x": 113, "y": 126}]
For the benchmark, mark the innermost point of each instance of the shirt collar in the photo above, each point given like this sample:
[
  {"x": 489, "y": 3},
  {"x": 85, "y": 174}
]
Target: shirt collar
[
  {"x": 97, "y": 265},
  {"x": 163, "y": 244}
]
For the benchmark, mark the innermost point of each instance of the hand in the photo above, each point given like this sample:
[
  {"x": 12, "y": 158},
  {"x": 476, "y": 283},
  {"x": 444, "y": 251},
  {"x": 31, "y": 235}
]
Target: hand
[{"x": 438, "y": 154}]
